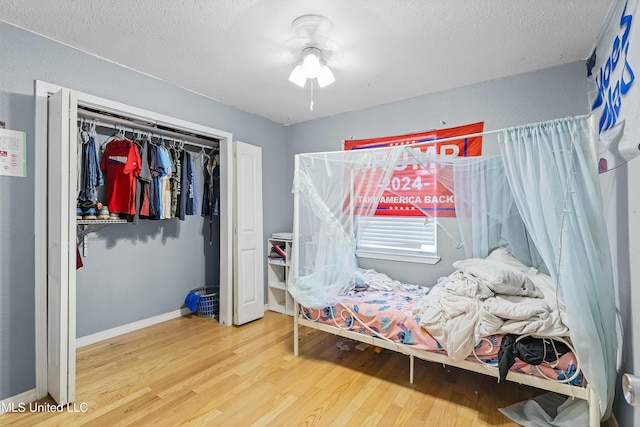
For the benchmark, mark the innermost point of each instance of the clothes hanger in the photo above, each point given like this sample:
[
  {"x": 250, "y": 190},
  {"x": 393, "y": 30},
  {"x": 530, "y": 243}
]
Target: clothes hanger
[
  {"x": 123, "y": 136},
  {"x": 92, "y": 128},
  {"x": 137, "y": 138},
  {"x": 117, "y": 136},
  {"x": 215, "y": 154},
  {"x": 84, "y": 135},
  {"x": 205, "y": 157},
  {"x": 176, "y": 147}
]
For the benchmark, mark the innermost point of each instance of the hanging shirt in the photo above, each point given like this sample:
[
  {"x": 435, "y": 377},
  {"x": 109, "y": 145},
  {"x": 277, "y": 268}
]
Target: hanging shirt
[
  {"x": 144, "y": 179},
  {"x": 154, "y": 193},
  {"x": 91, "y": 175},
  {"x": 192, "y": 197},
  {"x": 145, "y": 200},
  {"x": 175, "y": 181},
  {"x": 164, "y": 182},
  {"x": 211, "y": 193},
  {"x": 209, "y": 200},
  {"x": 145, "y": 171},
  {"x": 121, "y": 163},
  {"x": 188, "y": 200}
]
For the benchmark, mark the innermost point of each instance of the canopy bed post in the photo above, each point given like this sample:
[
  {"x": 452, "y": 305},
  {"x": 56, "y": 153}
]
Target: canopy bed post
[
  {"x": 594, "y": 407},
  {"x": 351, "y": 201},
  {"x": 295, "y": 328},
  {"x": 294, "y": 248},
  {"x": 411, "y": 365}
]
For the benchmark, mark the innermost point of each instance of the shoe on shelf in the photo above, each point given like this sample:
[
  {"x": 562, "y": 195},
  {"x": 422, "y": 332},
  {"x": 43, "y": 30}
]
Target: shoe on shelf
[
  {"x": 114, "y": 215},
  {"x": 103, "y": 213},
  {"x": 78, "y": 213},
  {"x": 89, "y": 213}
]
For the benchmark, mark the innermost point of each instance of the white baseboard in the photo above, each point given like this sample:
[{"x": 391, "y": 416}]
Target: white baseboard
[
  {"x": 15, "y": 403},
  {"x": 121, "y": 330}
]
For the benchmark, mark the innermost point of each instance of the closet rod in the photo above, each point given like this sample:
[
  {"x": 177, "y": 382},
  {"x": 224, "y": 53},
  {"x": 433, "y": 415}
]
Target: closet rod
[{"x": 130, "y": 126}]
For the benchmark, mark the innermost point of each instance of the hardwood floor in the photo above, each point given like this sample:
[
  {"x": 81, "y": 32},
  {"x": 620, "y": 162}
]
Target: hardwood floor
[{"x": 191, "y": 371}]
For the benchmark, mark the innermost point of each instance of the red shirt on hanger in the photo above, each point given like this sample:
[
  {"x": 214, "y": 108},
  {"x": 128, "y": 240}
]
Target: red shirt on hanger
[{"x": 121, "y": 163}]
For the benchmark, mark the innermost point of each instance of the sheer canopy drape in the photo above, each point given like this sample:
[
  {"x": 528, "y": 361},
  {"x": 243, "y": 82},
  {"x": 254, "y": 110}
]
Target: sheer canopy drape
[
  {"x": 486, "y": 212},
  {"x": 330, "y": 190},
  {"x": 567, "y": 227}
]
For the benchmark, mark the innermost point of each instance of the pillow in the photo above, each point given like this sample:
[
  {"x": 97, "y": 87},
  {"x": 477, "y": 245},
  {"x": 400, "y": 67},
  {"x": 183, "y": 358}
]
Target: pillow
[
  {"x": 499, "y": 277},
  {"x": 504, "y": 256}
]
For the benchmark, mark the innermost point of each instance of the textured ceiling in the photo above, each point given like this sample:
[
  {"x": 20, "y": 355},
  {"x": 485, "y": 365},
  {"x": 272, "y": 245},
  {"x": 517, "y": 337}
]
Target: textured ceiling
[{"x": 239, "y": 51}]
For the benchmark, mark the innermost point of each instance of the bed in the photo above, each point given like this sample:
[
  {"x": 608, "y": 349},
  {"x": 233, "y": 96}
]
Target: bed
[
  {"x": 539, "y": 198},
  {"x": 386, "y": 313}
]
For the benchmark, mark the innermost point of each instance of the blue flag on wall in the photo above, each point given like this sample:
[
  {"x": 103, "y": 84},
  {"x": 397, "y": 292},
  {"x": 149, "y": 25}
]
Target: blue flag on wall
[{"x": 614, "y": 95}]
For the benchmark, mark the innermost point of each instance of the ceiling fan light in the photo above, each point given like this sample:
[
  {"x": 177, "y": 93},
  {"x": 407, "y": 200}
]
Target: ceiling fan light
[
  {"x": 325, "y": 76},
  {"x": 311, "y": 65},
  {"x": 298, "y": 76}
]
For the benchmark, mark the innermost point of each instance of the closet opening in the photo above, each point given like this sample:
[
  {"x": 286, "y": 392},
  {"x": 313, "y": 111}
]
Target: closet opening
[
  {"x": 167, "y": 244},
  {"x": 59, "y": 113}
]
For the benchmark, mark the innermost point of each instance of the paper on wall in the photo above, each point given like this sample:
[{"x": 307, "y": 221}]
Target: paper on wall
[{"x": 13, "y": 153}]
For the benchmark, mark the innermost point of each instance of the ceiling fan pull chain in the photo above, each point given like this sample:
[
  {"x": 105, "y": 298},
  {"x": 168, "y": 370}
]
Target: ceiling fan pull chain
[{"x": 311, "y": 105}]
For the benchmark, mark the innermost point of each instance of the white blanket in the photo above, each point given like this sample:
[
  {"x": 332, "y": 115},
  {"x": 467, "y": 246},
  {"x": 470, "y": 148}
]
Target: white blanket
[{"x": 457, "y": 318}]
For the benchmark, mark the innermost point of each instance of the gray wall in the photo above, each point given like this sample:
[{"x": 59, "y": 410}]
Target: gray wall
[
  {"x": 549, "y": 94},
  {"x": 28, "y": 57},
  {"x": 622, "y": 214}
]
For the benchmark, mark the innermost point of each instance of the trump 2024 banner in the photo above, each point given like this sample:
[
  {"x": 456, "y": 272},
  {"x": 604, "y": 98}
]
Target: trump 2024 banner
[
  {"x": 412, "y": 189},
  {"x": 614, "y": 94}
]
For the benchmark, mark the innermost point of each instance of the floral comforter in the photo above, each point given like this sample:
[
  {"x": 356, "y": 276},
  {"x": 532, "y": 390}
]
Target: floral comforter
[{"x": 389, "y": 313}]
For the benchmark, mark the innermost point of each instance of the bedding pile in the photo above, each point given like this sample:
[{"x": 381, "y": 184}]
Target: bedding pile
[{"x": 491, "y": 296}]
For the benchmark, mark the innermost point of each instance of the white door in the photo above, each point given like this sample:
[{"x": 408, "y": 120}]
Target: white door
[
  {"x": 249, "y": 254},
  {"x": 61, "y": 263}
]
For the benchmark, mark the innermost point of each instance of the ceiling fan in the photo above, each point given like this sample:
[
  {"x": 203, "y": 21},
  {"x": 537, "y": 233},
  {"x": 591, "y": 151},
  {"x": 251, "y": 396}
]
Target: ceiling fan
[{"x": 312, "y": 50}]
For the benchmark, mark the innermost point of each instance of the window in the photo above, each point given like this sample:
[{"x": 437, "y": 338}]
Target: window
[{"x": 400, "y": 238}]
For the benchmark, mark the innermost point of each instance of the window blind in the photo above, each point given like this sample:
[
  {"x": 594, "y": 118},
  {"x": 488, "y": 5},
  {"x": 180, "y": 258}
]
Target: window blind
[{"x": 397, "y": 235}]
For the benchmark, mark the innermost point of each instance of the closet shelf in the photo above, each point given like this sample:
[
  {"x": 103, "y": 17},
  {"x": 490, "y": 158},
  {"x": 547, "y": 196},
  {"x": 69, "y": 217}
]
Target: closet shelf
[
  {"x": 87, "y": 226},
  {"x": 101, "y": 221}
]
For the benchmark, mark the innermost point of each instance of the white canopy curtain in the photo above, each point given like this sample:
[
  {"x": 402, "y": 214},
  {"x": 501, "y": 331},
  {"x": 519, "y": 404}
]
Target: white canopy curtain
[
  {"x": 329, "y": 187},
  {"x": 486, "y": 213},
  {"x": 568, "y": 229}
]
